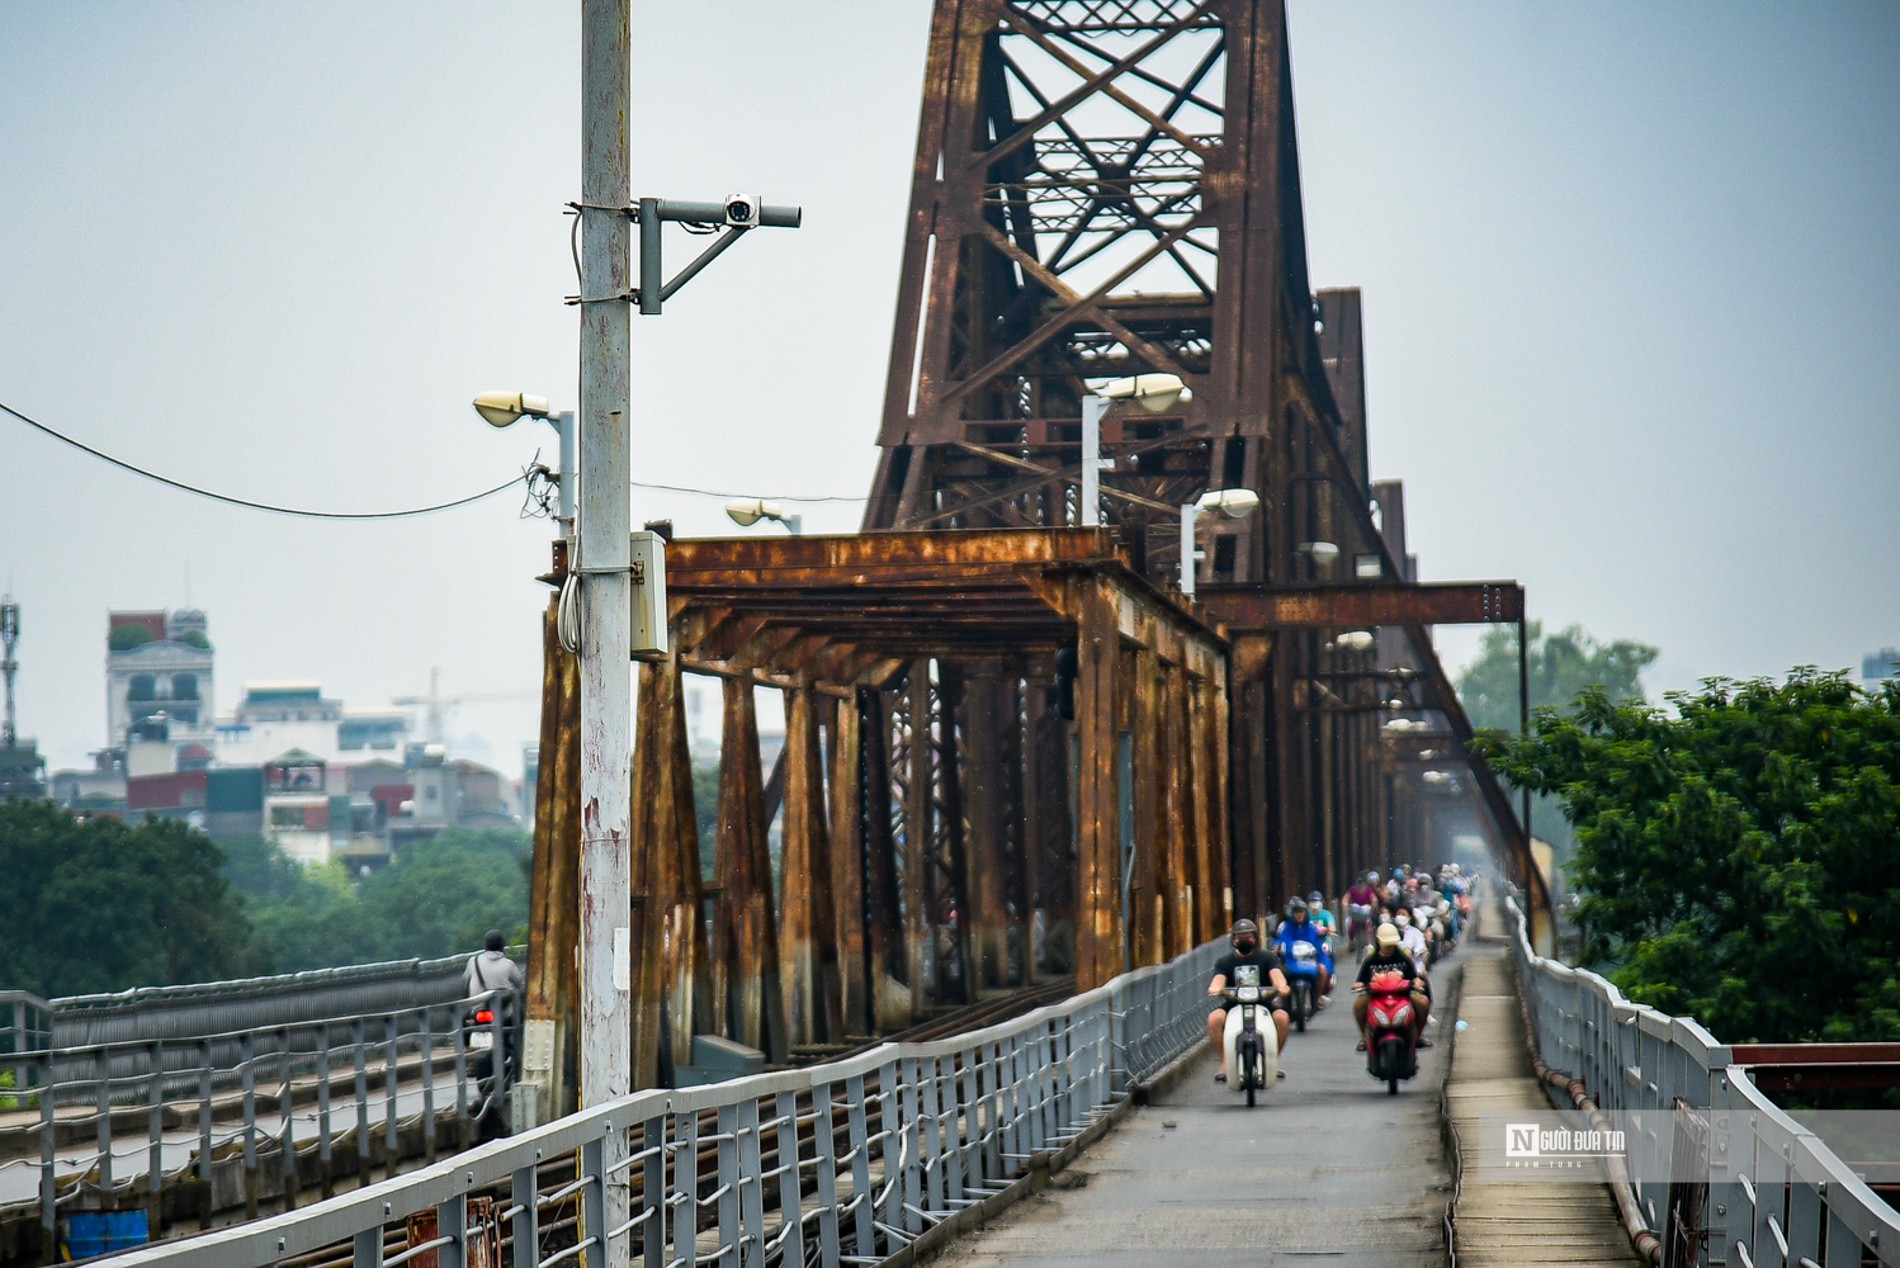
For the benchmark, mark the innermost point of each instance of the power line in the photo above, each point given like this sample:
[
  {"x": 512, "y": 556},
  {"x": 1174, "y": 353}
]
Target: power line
[
  {"x": 246, "y": 502},
  {"x": 769, "y": 497}
]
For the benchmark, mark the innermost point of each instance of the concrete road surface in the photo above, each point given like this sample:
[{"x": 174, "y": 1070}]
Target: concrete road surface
[{"x": 1328, "y": 1168}]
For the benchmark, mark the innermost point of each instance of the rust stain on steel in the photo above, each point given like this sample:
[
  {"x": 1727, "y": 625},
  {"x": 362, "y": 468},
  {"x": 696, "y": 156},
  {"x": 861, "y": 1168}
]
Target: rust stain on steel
[
  {"x": 807, "y": 947},
  {"x": 553, "y": 984},
  {"x": 748, "y": 929}
]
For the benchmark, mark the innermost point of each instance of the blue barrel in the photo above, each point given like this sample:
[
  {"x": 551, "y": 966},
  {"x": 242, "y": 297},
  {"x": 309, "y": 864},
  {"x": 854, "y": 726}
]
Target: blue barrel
[{"x": 90, "y": 1233}]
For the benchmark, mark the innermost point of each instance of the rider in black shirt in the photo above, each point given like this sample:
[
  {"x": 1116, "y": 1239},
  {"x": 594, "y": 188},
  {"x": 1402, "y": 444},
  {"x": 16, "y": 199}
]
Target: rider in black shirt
[{"x": 1248, "y": 964}]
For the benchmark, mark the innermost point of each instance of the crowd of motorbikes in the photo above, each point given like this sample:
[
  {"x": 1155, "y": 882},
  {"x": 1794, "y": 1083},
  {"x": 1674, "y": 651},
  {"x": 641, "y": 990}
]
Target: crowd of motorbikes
[{"x": 1429, "y": 911}]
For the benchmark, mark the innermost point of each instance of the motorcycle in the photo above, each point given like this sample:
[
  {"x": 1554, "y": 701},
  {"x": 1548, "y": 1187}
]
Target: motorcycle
[
  {"x": 490, "y": 1062},
  {"x": 1359, "y": 926},
  {"x": 1391, "y": 1047},
  {"x": 1302, "y": 974},
  {"x": 1250, "y": 1045}
]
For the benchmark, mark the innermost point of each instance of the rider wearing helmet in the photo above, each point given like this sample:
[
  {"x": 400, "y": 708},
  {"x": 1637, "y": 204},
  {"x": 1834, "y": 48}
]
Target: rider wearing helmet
[
  {"x": 1248, "y": 960},
  {"x": 1299, "y": 927},
  {"x": 1389, "y": 955},
  {"x": 1317, "y": 913}
]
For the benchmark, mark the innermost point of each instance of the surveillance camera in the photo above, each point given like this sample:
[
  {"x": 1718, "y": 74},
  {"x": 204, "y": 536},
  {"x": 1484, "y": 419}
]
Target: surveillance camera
[{"x": 742, "y": 210}]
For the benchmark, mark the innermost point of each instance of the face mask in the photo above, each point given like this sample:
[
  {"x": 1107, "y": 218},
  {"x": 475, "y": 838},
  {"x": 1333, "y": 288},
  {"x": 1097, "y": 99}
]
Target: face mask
[
  {"x": 1245, "y": 945},
  {"x": 1404, "y": 921}
]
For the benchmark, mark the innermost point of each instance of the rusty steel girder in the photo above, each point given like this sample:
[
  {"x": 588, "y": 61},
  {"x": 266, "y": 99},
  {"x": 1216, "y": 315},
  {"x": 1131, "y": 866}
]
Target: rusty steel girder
[{"x": 1347, "y": 607}]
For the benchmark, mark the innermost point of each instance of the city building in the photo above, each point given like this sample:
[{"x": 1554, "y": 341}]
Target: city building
[
  {"x": 1877, "y": 667},
  {"x": 273, "y": 717},
  {"x": 159, "y": 669}
]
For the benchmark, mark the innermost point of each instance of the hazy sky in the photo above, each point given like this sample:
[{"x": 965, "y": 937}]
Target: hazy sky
[{"x": 1631, "y": 275}]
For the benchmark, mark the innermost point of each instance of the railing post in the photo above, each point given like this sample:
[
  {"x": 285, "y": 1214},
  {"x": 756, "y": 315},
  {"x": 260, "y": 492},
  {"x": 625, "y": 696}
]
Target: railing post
[
  {"x": 359, "y": 1056},
  {"x": 525, "y": 1227},
  {"x": 205, "y": 1171},
  {"x": 930, "y": 1133},
  {"x": 910, "y": 1122},
  {"x": 593, "y": 1216},
  {"x": 653, "y": 1180},
  {"x": 791, "y": 1208},
  {"x": 392, "y": 1073},
  {"x": 726, "y": 1207},
  {"x": 451, "y": 1221},
  {"x": 825, "y": 1150},
  {"x": 247, "y": 1048},
  {"x": 326, "y": 1164},
  {"x": 155, "y": 1134},
  {"x": 367, "y": 1250},
  {"x": 103, "y": 1128},
  {"x": 891, "y": 1128},
  {"x": 751, "y": 1187},
  {"x": 49, "y": 1187},
  {"x": 287, "y": 1106},
  {"x": 686, "y": 1181},
  {"x": 427, "y": 1043}
]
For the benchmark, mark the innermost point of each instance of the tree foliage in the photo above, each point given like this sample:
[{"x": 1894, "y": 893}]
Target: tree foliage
[
  {"x": 90, "y": 906},
  {"x": 435, "y": 898},
  {"x": 1737, "y": 860},
  {"x": 1558, "y": 667}
]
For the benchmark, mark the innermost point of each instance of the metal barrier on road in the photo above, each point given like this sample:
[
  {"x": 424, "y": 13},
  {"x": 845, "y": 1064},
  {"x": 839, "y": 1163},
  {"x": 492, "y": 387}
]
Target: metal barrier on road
[
  {"x": 843, "y": 1163},
  {"x": 1778, "y": 1195},
  {"x": 130, "y": 1115}
]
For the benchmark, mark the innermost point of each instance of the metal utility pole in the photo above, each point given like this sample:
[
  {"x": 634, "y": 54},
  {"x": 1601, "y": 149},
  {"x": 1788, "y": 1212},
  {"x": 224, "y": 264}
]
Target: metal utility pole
[{"x": 603, "y": 564}]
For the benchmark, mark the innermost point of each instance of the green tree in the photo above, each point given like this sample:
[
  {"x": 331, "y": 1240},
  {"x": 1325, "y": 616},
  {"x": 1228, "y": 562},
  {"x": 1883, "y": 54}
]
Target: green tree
[
  {"x": 438, "y": 897},
  {"x": 1737, "y": 860},
  {"x": 1558, "y": 667},
  {"x": 98, "y": 905}
]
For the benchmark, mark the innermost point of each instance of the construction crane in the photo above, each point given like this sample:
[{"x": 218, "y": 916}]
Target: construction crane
[{"x": 436, "y": 706}]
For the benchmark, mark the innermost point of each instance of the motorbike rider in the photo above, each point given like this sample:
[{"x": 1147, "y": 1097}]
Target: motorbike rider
[
  {"x": 1389, "y": 955},
  {"x": 1410, "y": 935},
  {"x": 1317, "y": 913},
  {"x": 1360, "y": 900},
  {"x": 1248, "y": 964},
  {"x": 490, "y": 969},
  {"x": 1299, "y": 927}
]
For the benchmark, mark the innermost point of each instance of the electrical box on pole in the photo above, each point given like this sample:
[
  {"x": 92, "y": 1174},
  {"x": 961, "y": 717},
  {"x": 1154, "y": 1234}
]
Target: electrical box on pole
[{"x": 648, "y": 630}]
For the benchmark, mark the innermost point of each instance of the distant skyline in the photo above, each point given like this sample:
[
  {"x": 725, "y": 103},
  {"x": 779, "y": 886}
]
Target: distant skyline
[{"x": 1631, "y": 280}]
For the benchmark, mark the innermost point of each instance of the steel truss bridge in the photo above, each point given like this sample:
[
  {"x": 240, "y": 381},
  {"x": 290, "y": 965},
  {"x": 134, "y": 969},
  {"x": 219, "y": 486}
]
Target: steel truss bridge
[{"x": 1016, "y": 751}]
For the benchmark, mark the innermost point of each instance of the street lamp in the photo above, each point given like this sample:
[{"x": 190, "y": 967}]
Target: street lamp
[
  {"x": 1321, "y": 553},
  {"x": 1232, "y": 503},
  {"x": 504, "y": 409},
  {"x": 1352, "y": 641},
  {"x": 1156, "y": 393},
  {"x": 746, "y": 512}
]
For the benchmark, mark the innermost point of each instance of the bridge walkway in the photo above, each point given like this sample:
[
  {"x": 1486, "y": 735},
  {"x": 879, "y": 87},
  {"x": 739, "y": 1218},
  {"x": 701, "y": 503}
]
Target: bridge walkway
[
  {"x": 1327, "y": 1165},
  {"x": 1514, "y": 1225}
]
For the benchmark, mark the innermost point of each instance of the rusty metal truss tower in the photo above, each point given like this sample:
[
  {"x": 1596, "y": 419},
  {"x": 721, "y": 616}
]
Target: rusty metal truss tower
[{"x": 1105, "y": 188}]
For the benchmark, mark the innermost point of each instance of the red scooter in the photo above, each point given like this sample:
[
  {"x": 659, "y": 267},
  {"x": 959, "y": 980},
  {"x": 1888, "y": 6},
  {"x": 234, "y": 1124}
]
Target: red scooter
[{"x": 1391, "y": 1020}]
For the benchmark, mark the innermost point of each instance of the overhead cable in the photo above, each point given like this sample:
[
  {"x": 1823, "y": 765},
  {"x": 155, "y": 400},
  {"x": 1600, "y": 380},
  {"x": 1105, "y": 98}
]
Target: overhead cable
[{"x": 259, "y": 506}]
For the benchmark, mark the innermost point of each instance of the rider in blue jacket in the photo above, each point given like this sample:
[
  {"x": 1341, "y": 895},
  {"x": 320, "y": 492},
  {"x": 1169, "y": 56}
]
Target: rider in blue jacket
[{"x": 1298, "y": 927}]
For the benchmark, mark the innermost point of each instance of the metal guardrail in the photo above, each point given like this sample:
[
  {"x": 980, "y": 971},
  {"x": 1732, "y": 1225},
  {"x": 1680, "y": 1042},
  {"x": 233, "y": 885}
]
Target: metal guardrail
[
  {"x": 836, "y": 1164},
  {"x": 195, "y": 1009},
  {"x": 1779, "y": 1195},
  {"x": 134, "y": 1114}
]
